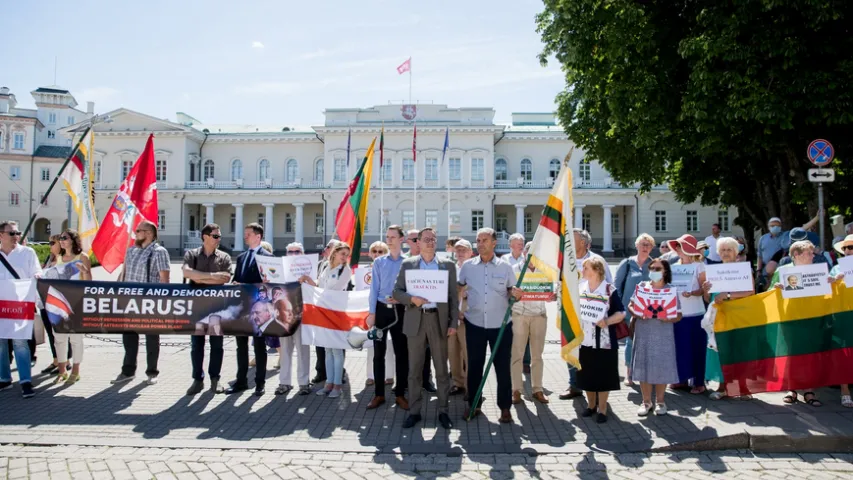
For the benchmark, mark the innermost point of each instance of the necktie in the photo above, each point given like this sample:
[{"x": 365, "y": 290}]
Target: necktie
[{"x": 248, "y": 260}]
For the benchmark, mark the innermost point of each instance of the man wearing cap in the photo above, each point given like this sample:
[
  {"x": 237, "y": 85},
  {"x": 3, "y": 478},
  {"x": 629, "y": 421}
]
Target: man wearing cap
[
  {"x": 771, "y": 242},
  {"x": 456, "y": 349},
  {"x": 711, "y": 240}
]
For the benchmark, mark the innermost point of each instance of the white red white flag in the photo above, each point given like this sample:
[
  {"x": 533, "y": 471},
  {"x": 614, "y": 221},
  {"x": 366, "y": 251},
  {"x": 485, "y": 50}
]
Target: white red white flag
[
  {"x": 329, "y": 315},
  {"x": 17, "y": 309}
]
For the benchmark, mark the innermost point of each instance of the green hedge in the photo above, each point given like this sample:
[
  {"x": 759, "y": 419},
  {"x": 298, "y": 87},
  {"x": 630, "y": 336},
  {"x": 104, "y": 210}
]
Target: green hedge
[{"x": 43, "y": 251}]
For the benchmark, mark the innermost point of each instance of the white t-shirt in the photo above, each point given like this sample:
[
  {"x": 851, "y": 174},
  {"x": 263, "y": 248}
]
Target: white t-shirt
[
  {"x": 512, "y": 260},
  {"x": 24, "y": 260},
  {"x": 712, "y": 249}
]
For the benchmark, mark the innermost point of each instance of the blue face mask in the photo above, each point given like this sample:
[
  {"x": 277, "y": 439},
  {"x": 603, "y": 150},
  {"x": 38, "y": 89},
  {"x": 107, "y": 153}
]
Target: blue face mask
[
  {"x": 655, "y": 276},
  {"x": 705, "y": 253},
  {"x": 776, "y": 230},
  {"x": 740, "y": 247}
]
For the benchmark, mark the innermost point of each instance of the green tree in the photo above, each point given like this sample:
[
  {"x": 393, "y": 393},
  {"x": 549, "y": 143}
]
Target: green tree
[{"x": 720, "y": 99}]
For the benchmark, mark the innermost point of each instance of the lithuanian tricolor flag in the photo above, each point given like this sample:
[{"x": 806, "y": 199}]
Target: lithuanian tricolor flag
[
  {"x": 77, "y": 178},
  {"x": 553, "y": 253},
  {"x": 771, "y": 344},
  {"x": 352, "y": 212}
]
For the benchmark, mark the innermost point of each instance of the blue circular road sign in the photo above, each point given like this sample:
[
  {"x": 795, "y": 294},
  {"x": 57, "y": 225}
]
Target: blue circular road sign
[{"x": 821, "y": 152}]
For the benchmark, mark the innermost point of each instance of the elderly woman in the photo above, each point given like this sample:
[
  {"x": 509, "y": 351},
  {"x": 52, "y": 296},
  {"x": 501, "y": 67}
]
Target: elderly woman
[
  {"x": 802, "y": 253},
  {"x": 630, "y": 273},
  {"x": 654, "y": 343},
  {"x": 690, "y": 339},
  {"x": 844, "y": 248},
  {"x": 599, "y": 352},
  {"x": 376, "y": 250},
  {"x": 727, "y": 248}
]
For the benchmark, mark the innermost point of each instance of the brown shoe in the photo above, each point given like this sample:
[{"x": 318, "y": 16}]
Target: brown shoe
[
  {"x": 375, "y": 403},
  {"x": 516, "y": 398},
  {"x": 570, "y": 393},
  {"x": 541, "y": 398},
  {"x": 467, "y": 413},
  {"x": 402, "y": 403},
  {"x": 369, "y": 382},
  {"x": 506, "y": 416}
]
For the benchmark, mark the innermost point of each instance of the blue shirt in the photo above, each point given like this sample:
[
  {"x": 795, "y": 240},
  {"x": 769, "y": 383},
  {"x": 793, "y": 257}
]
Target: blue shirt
[
  {"x": 768, "y": 245},
  {"x": 433, "y": 265},
  {"x": 385, "y": 270}
]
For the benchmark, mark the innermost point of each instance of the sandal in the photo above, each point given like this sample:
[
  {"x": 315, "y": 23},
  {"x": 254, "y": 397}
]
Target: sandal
[
  {"x": 717, "y": 395},
  {"x": 698, "y": 390},
  {"x": 813, "y": 401},
  {"x": 283, "y": 389},
  {"x": 72, "y": 379},
  {"x": 790, "y": 398},
  {"x": 846, "y": 401}
]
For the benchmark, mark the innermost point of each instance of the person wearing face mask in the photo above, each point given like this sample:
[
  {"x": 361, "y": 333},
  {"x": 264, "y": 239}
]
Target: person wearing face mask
[
  {"x": 770, "y": 243},
  {"x": 741, "y": 249},
  {"x": 704, "y": 251},
  {"x": 690, "y": 338}
]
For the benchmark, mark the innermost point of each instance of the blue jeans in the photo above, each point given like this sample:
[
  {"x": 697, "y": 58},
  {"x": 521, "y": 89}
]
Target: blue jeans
[
  {"x": 22, "y": 359},
  {"x": 573, "y": 374},
  {"x": 335, "y": 366}
]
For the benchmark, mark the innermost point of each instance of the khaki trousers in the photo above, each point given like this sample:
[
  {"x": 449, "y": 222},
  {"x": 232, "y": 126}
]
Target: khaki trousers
[
  {"x": 526, "y": 328},
  {"x": 458, "y": 357},
  {"x": 429, "y": 333}
]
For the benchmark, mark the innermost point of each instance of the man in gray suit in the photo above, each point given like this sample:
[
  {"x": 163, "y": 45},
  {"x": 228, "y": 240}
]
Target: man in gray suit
[{"x": 428, "y": 322}]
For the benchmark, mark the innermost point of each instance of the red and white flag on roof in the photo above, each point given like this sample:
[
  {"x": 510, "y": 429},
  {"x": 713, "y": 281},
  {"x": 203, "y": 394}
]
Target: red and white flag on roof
[{"x": 405, "y": 66}]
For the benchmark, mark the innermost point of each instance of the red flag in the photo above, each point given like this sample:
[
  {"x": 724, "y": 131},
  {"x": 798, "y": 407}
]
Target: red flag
[
  {"x": 415, "y": 145},
  {"x": 405, "y": 66},
  {"x": 136, "y": 201}
]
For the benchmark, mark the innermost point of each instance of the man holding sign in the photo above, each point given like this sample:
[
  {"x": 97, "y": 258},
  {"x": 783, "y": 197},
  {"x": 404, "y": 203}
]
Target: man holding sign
[{"x": 427, "y": 287}]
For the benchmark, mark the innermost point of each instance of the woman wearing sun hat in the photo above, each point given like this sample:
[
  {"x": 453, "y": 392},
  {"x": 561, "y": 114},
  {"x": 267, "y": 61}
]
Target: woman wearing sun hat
[
  {"x": 845, "y": 248},
  {"x": 690, "y": 339}
]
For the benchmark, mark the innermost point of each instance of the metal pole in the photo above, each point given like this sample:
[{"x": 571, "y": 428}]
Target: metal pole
[
  {"x": 68, "y": 205},
  {"x": 820, "y": 212}
]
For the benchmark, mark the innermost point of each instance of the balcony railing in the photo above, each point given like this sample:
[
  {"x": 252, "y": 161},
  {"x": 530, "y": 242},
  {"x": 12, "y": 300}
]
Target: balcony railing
[
  {"x": 520, "y": 183},
  {"x": 250, "y": 185}
]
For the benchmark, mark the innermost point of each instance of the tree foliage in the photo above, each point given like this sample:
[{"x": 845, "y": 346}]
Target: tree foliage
[{"x": 720, "y": 99}]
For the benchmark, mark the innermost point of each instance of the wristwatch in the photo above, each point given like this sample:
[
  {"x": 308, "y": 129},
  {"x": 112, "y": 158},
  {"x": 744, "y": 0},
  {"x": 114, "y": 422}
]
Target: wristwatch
[{"x": 728, "y": 296}]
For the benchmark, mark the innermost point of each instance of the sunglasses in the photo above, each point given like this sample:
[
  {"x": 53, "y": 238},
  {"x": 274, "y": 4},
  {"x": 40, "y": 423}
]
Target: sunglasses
[
  {"x": 216, "y": 236},
  {"x": 378, "y": 252},
  {"x": 294, "y": 252},
  {"x": 413, "y": 240},
  {"x": 847, "y": 247},
  {"x": 63, "y": 238},
  {"x": 13, "y": 234}
]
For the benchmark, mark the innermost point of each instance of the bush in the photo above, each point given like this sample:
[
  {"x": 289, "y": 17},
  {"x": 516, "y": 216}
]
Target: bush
[{"x": 43, "y": 251}]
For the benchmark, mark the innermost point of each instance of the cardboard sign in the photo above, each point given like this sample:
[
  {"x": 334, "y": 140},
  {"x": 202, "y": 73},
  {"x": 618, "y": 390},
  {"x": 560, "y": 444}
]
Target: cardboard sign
[
  {"x": 845, "y": 266},
  {"x": 730, "y": 277},
  {"x": 362, "y": 277},
  {"x": 429, "y": 284},
  {"x": 537, "y": 287},
  {"x": 287, "y": 269},
  {"x": 805, "y": 281},
  {"x": 654, "y": 302},
  {"x": 682, "y": 276}
]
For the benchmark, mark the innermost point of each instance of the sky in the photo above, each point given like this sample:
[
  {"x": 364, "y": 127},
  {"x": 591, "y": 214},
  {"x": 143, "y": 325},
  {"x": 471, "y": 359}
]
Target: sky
[{"x": 278, "y": 62}]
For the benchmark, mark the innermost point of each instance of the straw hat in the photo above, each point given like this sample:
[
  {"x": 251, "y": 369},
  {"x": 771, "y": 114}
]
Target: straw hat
[
  {"x": 687, "y": 244},
  {"x": 848, "y": 241}
]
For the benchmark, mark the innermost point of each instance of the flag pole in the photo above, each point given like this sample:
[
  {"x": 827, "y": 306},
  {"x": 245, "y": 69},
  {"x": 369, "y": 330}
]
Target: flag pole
[
  {"x": 512, "y": 300},
  {"x": 382, "y": 184},
  {"x": 43, "y": 199}
]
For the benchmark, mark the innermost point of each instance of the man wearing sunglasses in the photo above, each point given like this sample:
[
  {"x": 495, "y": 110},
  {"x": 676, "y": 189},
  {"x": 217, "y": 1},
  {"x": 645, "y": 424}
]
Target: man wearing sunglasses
[
  {"x": 16, "y": 262},
  {"x": 207, "y": 265}
]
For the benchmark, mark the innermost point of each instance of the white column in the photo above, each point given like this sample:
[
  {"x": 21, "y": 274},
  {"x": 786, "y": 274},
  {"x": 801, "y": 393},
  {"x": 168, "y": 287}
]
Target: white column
[
  {"x": 519, "y": 218},
  {"x": 268, "y": 225},
  {"x": 208, "y": 217},
  {"x": 608, "y": 224},
  {"x": 300, "y": 223},
  {"x": 579, "y": 216},
  {"x": 238, "y": 226}
]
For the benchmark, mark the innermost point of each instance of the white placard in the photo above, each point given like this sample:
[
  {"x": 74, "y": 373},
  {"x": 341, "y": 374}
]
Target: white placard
[
  {"x": 445, "y": 256},
  {"x": 362, "y": 277},
  {"x": 287, "y": 269},
  {"x": 682, "y": 276},
  {"x": 805, "y": 281},
  {"x": 429, "y": 284},
  {"x": 845, "y": 266},
  {"x": 730, "y": 277}
]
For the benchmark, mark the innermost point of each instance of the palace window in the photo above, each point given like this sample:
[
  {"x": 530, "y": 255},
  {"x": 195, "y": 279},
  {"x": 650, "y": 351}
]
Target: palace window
[
  {"x": 477, "y": 219},
  {"x": 455, "y": 166},
  {"x": 288, "y": 223},
  {"x": 209, "y": 169},
  {"x": 554, "y": 168},
  {"x": 14, "y": 199},
  {"x": 340, "y": 170},
  {"x": 160, "y": 170},
  {"x": 500, "y": 170},
  {"x": 319, "y": 223},
  {"x": 586, "y": 220},
  {"x": 692, "y": 221},
  {"x": 477, "y": 170},
  {"x": 161, "y": 219},
  {"x": 431, "y": 219},
  {"x": 408, "y": 169},
  {"x": 723, "y": 220},
  {"x": 431, "y": 169},
  {"x": 236, "y": 170},
  {"x": 387, "y": 170},
  {"x": 318, "y": 170},
  {"x": 263, "y": 170},
  {"x": 45, "y": 174},
  {"x": 501, "y": 222},
  {"x": 408, "y": 220},
  {"x": 584, "y": 170},
  {"x": 660, "y": 220},
  {"x": 527, "y": 170},
  {"x": 19, "y": 141}
]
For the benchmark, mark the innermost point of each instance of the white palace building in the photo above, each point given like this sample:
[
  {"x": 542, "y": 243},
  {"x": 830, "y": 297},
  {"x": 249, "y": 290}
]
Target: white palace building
[{"x": 291, "y": 180}]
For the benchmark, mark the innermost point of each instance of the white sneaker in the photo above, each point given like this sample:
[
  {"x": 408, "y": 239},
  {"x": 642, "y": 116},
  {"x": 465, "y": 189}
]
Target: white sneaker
[
  {"x": 335, "y": 393},
  {"x": 644, "y": 410},
  {"x": 660, "y": 409},
  {"x": 152, "y": 380},
  {"x": 322, "y": 392}
]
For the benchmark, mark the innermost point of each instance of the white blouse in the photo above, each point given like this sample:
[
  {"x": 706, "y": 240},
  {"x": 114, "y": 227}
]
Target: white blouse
[{"x": 335, "y": 278}]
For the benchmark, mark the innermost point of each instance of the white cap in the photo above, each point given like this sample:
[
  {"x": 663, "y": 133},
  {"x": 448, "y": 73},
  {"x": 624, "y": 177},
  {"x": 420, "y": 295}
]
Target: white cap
[
  {"x": 464, "y": 243},
  {"x": 774, "y": 219}
]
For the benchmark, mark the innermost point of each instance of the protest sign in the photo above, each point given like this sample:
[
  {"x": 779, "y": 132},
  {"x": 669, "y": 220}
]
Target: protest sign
[
  {"x": 682, "y": 276},
  {"x": 362, "y": 276},
  {"x": 536, "y": 287},
  {"x": 845, "y": 266},
  {"x": 287, "y": 269},
  {"x": 651, "y": 302},
  {"x": 805, "y": 281},
  {"x": 429, "y": 284},
  {"x": 117, "y": 307},
  {"x": 730, "y": 277}
]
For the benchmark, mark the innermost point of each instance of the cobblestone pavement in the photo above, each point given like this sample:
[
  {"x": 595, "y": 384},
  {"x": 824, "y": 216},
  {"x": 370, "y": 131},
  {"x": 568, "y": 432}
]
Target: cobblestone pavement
[{"x": 67, "y": 462}]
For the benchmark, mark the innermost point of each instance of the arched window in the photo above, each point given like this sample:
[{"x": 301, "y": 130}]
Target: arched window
[
  {"x": 500, "y": 169},
  {"x": 554, "y": 168},
  {"x": 208, "y": 169},
  {"x": 583, "y": 170},
  {"x": 527, "y": 170},
  {"x": 263, "y": 170},
  {"x": 292, "y": 170},
  {"x": 318, "y": 170},
  {"x": 236, "y": 170}
]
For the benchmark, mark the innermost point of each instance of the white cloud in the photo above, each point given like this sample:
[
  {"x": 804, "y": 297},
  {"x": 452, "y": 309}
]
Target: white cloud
[
  {"x": 257, "y": 44},
  {"x": 268, "y": 88}
]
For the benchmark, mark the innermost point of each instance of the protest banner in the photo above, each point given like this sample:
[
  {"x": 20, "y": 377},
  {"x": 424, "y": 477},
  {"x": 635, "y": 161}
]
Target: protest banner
[
  {"x": 287, "y": 269},
  {"x": 651, "y": 302},
  {"x": 17, "y": 309},
  {"x": 805, "y": 281},
  {"x": 536, "y": 286},
  {"x": 730, "y": 277},
  {"x": 117, "y": 307},
  {"x": 845, "y": 266},
  {"x": 429, "y": 284},
  {"x": 682, "y": 276},
  {"x": 362, "y": 276}
]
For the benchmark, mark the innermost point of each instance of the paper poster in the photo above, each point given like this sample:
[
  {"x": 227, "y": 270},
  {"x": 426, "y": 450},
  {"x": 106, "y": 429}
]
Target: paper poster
[
  {"x": 805, "y": 281},
  {"x": 362, "y": 277},
  {"x": 654, "y": 303},
  {"x": 682, "y": 276},
  {"x": 287, "y": 269},
  {"x": 730, "y": 277},
  {"x": 429, "y": 284},
  {"x": 536, "y": 286},
  {"x": 445, "y": 256},
  {"x": 845, "y": 266}
]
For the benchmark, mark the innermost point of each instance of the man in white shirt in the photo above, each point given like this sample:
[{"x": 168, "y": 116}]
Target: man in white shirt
[
  {"x": 516, "y": 247},
  {"x": 18, "y": 262},
  {"x": 711, "y": 240},
  {"x": 583, "y": 242}
]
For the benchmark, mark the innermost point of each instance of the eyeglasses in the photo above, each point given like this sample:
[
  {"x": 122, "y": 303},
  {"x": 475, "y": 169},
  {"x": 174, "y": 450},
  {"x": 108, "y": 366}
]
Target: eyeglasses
[
  {"x": 216, "y": 236},
  {"x": 63, "y": 238},
  {"x": 294, "y": 252},
  {"x": 378, "y": 252},
  {"x": 427, "y": 240},
  {"x": 13, "y": 233}
]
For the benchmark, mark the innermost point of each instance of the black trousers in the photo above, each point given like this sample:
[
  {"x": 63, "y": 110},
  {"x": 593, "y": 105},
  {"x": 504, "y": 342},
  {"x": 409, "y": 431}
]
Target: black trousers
[
  {"x": 476, "y": 339},
  {"x": 131, "y": 350},
  {"x": 243, "y": 362},
  {"x": 320, "y": 365},
  {"x": 197, "y": 356},
  {"x": 385, "y": 317}
]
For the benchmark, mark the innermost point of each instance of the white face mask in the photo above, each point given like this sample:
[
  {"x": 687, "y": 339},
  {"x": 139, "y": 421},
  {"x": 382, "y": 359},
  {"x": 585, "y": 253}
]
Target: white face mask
[{"x": 655, "y": 276}]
